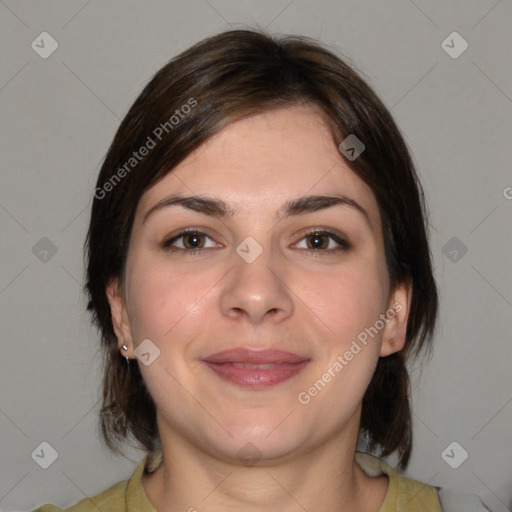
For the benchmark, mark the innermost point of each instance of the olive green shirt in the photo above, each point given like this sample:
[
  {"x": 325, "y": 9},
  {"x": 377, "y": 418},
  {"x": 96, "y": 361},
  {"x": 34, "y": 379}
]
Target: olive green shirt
[{"x": 403, "y": 494}]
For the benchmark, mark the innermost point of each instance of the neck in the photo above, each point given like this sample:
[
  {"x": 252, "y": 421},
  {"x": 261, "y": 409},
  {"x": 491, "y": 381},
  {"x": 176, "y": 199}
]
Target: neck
[{"x": 324, "y": 479}]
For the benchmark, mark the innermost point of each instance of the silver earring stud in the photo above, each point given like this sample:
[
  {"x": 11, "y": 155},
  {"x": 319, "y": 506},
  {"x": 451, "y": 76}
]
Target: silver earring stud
[{"x": 125, "y": 347}]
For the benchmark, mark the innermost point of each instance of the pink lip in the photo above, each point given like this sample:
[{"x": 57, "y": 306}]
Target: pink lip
[{"x": 238, "y": 366}]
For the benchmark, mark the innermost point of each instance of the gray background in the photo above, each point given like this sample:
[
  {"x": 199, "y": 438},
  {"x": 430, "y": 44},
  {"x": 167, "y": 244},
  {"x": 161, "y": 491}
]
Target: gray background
[{"x": 59, "y": 116}]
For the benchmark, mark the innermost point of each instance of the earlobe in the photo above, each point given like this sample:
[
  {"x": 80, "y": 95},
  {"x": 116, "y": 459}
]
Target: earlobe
[
  {"x": 119, "y": 315},
  {"x": 397, "y": 314}
]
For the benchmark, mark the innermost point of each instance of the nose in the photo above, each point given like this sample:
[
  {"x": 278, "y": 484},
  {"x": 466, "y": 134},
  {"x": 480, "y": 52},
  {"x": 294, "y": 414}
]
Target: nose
[{"x": 257, "y": 290}]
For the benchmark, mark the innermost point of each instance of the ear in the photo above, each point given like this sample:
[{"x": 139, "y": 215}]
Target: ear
[
  {"x": 396, "y": 316},
  {"x": 120, "y": 322}
]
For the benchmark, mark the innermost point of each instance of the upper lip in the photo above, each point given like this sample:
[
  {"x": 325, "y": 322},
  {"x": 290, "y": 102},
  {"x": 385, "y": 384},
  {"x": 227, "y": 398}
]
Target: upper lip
[{"x": 242, "y": 355}]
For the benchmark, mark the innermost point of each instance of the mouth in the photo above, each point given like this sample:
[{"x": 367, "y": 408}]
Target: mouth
[{"x": 255, "y": 369}]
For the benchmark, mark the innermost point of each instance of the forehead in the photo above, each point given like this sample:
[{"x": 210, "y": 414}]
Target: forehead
[{"x": 261, "y": 161}]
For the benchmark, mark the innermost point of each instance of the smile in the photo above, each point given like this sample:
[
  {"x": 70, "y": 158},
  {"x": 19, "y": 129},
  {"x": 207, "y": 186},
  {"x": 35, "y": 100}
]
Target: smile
[{"x": 255, "y": 369}]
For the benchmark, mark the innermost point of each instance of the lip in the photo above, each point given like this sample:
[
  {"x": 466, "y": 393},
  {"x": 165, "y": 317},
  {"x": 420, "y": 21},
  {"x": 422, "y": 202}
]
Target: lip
[{"x": 255, "y": 369}]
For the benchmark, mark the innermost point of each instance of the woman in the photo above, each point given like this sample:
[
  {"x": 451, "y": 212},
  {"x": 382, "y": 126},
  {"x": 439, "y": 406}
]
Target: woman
[{"x": 257, "y": 252}]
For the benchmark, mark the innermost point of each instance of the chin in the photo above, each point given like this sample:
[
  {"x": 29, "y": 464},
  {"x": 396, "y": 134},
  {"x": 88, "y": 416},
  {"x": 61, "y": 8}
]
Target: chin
[{"x": 263, "y": 440}]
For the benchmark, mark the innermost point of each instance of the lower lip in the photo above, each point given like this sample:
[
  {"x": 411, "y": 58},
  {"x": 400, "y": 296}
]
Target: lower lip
[{"x": 256, "y": 378}]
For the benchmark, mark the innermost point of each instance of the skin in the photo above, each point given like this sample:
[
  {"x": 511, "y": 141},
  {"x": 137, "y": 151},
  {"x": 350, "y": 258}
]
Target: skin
[{"x": 311, "y": 302}]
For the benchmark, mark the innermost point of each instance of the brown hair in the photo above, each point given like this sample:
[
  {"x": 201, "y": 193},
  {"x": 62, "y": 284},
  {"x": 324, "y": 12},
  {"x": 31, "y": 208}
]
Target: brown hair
[{"x": 224, "y": 78}]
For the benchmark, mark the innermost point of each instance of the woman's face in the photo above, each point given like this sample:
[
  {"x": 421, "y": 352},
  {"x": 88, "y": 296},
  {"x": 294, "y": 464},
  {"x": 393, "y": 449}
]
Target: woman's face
[{"x": 268, "y": 266}]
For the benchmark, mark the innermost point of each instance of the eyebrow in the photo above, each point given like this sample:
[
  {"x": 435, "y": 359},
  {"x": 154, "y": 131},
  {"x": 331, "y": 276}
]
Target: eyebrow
[{"x": 218, "y": 208}]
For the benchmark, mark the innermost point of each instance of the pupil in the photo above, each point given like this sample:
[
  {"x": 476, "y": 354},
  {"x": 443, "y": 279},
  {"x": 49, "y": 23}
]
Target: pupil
[
  {"x": 193, "y": 240},
  {"x": 316, "y": 240}
]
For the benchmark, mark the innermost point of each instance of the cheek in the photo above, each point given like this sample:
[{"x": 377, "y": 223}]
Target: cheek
[
  {"x": 160, "y": 299},
  {"x": 347, "y": 304},
  {"x": 347, "y": 301}
]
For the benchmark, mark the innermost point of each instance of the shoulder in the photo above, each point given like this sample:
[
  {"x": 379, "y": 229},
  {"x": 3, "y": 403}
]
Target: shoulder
[
  {"x": 403, "y": 493},
  {"x": 127, "y": 493},
  {"x": 113, "y": 500},
  {"x": 414, "y": 496}
]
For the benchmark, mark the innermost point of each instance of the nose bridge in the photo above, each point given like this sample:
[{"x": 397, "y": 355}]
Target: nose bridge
[{"x": 256, "y": 284}]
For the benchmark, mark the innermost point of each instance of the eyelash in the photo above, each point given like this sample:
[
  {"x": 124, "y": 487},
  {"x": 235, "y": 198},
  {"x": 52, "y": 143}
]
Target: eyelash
[{"x": 343, "y": 244}]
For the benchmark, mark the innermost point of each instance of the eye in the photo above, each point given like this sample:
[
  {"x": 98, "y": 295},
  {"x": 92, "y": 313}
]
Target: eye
[
  {"x": 192, "y": 241},
  {"x": 323, "y": 241},
  {"x": 189, "y": 240}
]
